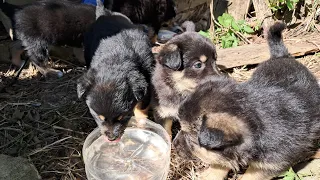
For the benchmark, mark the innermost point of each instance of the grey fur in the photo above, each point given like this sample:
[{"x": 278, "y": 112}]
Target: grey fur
[
  {"x": 276, "y": 46},
  {"x": 189, "y": 26},
  {"x": 100, "y": 10}
]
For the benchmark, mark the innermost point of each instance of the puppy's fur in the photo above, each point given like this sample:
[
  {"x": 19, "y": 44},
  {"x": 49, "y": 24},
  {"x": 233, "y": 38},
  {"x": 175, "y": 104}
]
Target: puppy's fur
[
  {"x": 151, "y": 12},
  {"x": 45, "y": 23},
  {"x": 180, "y": 65},
  {"x": 119, "y": 75},
  {"x": 269, "y": 123}
]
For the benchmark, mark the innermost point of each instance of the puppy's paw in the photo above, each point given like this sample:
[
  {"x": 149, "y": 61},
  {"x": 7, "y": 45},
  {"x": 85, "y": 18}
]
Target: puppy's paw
[
  {"x": 214, "y": 173},
  {"x": 53, "y": 73}
]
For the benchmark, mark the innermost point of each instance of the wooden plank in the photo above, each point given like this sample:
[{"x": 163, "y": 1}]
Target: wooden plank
[{"x": 257, "y": 53}]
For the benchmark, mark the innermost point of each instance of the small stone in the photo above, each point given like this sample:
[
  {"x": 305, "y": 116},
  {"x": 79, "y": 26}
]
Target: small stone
[{"x": 17, "y": 168}]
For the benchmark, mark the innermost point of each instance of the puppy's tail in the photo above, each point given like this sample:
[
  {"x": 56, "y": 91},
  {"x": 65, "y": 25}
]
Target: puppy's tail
[
  {"x": 101, "y": 11},
  {"x": 189, "y": 26},
  {"x": 275, "y": 41}
]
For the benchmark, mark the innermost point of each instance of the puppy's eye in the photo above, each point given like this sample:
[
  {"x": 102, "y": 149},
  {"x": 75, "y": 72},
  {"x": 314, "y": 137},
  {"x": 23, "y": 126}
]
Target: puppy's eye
[{"x": 197, "y": 65}]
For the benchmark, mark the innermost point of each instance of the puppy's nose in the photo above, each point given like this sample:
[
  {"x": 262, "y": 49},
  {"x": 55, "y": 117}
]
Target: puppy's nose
[{"x": 111, "y": 136}]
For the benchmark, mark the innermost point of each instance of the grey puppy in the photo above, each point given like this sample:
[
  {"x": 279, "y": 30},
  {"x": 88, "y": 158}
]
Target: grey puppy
[
  {"x": 180, "y": 65},
  {"x": 268, "y": 123}
]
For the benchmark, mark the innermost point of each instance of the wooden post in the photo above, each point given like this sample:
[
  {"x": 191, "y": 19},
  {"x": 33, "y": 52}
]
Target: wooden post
[{"x": 263, "y": 12}]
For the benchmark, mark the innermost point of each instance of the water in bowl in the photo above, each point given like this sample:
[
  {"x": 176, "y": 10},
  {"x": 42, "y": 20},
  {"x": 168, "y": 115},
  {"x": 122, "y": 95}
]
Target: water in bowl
[{"x": 140, "y": 155}]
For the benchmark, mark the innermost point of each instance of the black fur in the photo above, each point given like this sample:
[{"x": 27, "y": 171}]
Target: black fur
[
  {"x": 270, "y": 122},
  {"x": 151, "y": 12},
  {"x": 119, "y": 76},
  {"x": 9, "y": 10},
  {"x": 45, "y": 23}
]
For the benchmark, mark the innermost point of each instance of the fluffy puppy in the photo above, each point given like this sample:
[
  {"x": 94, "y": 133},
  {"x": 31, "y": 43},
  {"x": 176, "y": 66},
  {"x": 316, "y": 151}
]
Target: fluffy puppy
[
  {"x": 45, "y": 23},
  {"x": 180, "y": 65},
  {"x": 151, "y": 12},
  {"x": 268, "y": 123},
  {"x": 117, "y": 83}
]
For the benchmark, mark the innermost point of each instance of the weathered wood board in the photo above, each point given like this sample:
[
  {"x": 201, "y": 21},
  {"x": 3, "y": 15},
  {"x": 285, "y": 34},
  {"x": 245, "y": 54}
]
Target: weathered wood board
[{"x": 257, "y": 53}]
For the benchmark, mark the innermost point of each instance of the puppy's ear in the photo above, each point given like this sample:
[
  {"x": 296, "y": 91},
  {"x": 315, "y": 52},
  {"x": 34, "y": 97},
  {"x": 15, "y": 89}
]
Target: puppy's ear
[
  {"x": 84, "y": 84},
  {"x": 138, "y": 84},
  {"x": 216, "y": 139},
  {"x": 171, "y": 57}
]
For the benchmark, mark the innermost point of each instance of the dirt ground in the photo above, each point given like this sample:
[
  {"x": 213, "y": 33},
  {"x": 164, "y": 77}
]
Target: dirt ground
[{"x": 44, "y": 121}]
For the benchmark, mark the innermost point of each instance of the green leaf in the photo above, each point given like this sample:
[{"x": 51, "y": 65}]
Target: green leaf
[
  {"x": 205, "y": 34},
  {"x": 235, "y": 26},
  {"x": 225, "y": 20},
  {"x": 290, "y": 5},
  {"x": 221, "y": 21},
  {"x": 241, "y": 22},
  {"x": 235, "y": 43},
  {"x": 248, "y": 29},
  {"x": 288, "y": 178}
]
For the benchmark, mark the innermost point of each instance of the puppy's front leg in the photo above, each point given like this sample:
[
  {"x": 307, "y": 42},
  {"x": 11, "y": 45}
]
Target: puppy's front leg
[
  {"x": 167, "y": 125},
  {"x": 140, "y": 113},
  {"x": 214, "y": 172},
  {"x": 256, "y": 174}
]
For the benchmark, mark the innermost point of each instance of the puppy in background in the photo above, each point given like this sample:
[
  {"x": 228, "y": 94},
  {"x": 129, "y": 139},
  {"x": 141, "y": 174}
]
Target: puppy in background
[
  {"x": 268, "y": 123},
  {"x": 45, "y": 23},
  {"x": 180, "y": 65},
  {"x": 117, "y": 83},
  {"x": 151, "y": 12}
]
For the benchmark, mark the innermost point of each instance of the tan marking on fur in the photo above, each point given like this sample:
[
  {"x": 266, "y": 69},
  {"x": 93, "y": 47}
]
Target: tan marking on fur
[
  {"x": 167, "y": 125},
  {"x": 229, "y": 124},
  {"x": 172, "y": 47},
  {"x": 203, "y": 58},
  {"x": 255, "y": 174},
  {"x": 266, "y": 166},
  {"x": 167, "y": 111},
  {"x": 140, "y": 113},
  {"x": 208, "y": 157},
  {"x": 154, "y": 39},
  {"x": 182, "y": 84},
  {"x": 101, "y": 117},
  {"x": 317, "y": 155},
  {"x": 11, "y": 33},
  {"x": 119, "y": 118},
  {"x": 214, "y": 172}
]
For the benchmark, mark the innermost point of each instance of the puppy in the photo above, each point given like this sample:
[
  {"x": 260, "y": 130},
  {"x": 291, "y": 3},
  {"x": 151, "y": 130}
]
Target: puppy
[
  {"x": 45, "y": 23},
  {"x": 117, "y": 84},
  {"x": 180, "y": 65},
  {"x": 151, "y": 12},
  {"x": 268, "y": 123}
]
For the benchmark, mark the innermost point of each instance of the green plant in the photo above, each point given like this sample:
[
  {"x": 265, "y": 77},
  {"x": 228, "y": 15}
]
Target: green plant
[
  {"x": 276, "y": 5},
  {"x": 290, "y": 175},
  {"x": 231, "y": 31},
  {"x": 205, "y": 34}
]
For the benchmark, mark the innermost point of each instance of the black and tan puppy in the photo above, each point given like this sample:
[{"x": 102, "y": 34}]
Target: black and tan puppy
[
  {"x": 180, "y": 65},
  {"x": 117, "y": 84},
  {"x": 268, "y": 123}
]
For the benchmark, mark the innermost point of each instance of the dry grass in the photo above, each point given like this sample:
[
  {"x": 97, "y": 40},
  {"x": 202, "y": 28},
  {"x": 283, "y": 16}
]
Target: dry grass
[{"x": 44, "y": 121}]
